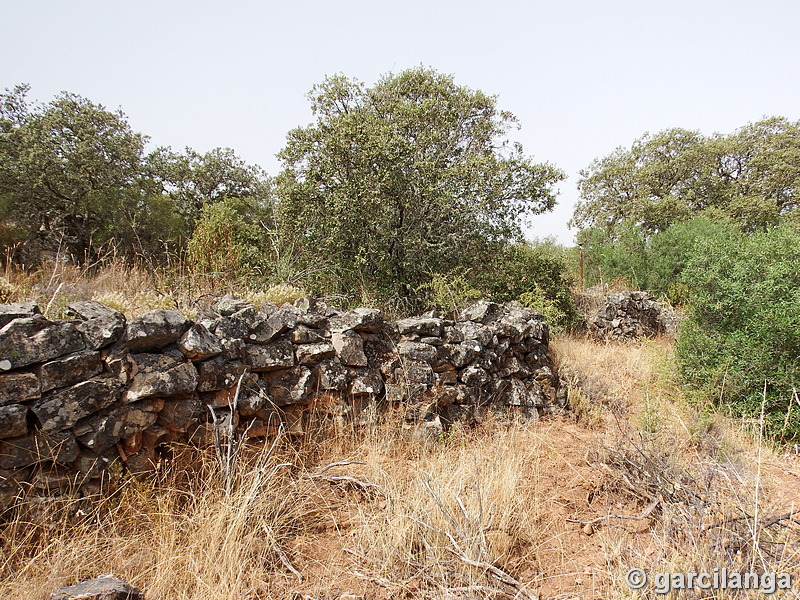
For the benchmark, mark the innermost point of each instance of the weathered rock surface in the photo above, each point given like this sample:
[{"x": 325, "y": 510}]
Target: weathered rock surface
[
  {"x": 62, "y": 409},
  {"x": 105, "y": 587},
  {"x": 628, "y": 315},
  {"x": 154, "y": 330},
  {"x": 19, "y": 387},
  {"x": 100, "y": 326},
  {"x": 31, "y": 340}
]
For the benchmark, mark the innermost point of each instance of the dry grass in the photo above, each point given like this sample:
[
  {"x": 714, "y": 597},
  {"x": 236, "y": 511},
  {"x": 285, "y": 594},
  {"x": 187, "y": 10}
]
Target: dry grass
[{"x": 638, "y": 477}]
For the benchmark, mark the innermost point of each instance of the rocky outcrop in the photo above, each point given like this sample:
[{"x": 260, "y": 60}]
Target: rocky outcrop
[
  {"x": 79, "y": 394},
  {"x": 105, "y": 587},
  {"x": 629, "y": 315}
]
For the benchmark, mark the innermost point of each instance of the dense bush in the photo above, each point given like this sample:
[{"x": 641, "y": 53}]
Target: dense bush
[{"x": 744, "y": 328}]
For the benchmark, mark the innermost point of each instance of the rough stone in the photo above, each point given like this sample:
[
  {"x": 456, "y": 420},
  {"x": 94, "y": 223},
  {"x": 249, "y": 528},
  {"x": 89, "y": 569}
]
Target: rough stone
[
  {"x": 361, "y": 319},
  {"x": 154, "y": 330},
  {"x": 101, "y": 325},
  {"x": 69, "y": 370},
  {"x": 312, "y": 354},
  {"x": 331, "y": 375},
  {"x": 160, "y": 375},
  {"x": 18, "y": 387},
  {"x": 13, "y": 421},
  {"x": 349, "y": 348},
  {"x": 182, "y": 415},
  {"x": 198, "y": 343},
  {"x": 302, "y": 334},
  {"x": 417, "y": 351},
  {"x": 474, "y": 376},
  {"x": 628, "y": 315},
  {"x": 62, "y": 409},
  {"x": 366, "y": 383},
  {"x": 36, "y": 448},
  {"x": 34, "y": 339},
  {"x": 268, "y": 328},
  {"x": 17, "y": 310},
  {"x": 105, "y": 587},
  {"x": 420, "y": 326},
  {"x": 482, "y": 312},
  {"x": 228, "y": 305},
  {"x": 218, "y": 374},
  {"x": 278, "y": 355},
  {"x": 290, "y": 386}
]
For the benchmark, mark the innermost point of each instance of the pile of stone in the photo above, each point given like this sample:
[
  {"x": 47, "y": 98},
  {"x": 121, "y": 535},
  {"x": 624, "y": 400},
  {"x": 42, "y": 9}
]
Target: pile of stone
[
  {"x": 78, "y": 394},
  {"x": 629, "y": 316}
]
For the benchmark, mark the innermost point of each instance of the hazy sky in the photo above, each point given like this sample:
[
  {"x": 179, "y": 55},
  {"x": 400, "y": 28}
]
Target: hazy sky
[{"x": 583, "y": 76}]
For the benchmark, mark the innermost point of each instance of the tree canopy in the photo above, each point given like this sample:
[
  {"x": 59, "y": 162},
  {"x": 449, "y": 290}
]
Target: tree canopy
[
  {"x": 751, "y": 176},
  {"x": 412, "y": 176}
]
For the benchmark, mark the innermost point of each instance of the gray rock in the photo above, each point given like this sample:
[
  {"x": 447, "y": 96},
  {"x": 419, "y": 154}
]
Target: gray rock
[
  {"x": 349, "y": 348},
  {"x": 34, "y": 339},
  {"x": 105, "y": 587},
  {"x": 268, "y": 328},
  {"x": 219, "y": 374},
  {"x": 312, "y": 354},
  {"x": 474, "y": 376},
  {"x": 482, "y": 312},
  {"x": 278, "y": 355},
  {"x": 17, "y": 310},
  {"x": 62, "y": 409},
  {"x": 420, "y": 326},
  {"x": 10, "y": 485},
  {"x": 474, "y": 331},
  {"x": 367, "y": 383},
  {"x": 101, "y": 325},
  {"x": 291, "y": 386},
  {"x": 198, "y": 343},
  {"x": 18, "y": 387},
  {"x": 36, "y": 448},
  {"x": 182, "y": 415},
  {"x": 228, "y": 305},
  {"x": 417, "y": 351},
  {"x": 302, "y": 334},
  {"x": 456, "y": 356},
  {"x": 154, "y": 330},
  {"x": 160, "y": 375},
  {"x": 331, "y": 375},
  {"x": 361, "y": 319},
  {"x": 13, "y": 421},
  {"x": 419, "y": 372},
  {"x": 69, "y": 370}
]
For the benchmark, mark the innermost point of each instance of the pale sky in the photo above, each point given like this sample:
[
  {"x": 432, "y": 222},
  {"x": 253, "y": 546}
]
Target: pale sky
[{"x": 582, "y": 76}]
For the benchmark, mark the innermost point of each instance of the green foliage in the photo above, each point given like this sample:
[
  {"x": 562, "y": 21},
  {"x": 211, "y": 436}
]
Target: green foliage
[
  {"x": 744, "y": 327},
  {"x": 534, "y": 274},
  {"x": 751, "y": 176},
  {"x": 228, "y": 241},
  {"x": 451, "y": 292},
  {"x": 410, "y": 177},
  {"x": 652, "y": 262}
]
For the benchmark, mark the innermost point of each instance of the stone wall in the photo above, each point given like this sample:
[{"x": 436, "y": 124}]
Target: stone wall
[
  {"x": 630, "y": 315},
  {"x": 78, "y": 394}
]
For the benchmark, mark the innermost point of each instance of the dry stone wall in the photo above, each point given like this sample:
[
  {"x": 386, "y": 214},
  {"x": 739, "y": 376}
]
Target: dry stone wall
[
  {"x": 81, "y": 393},
  {"x": 630, "y": 315}
]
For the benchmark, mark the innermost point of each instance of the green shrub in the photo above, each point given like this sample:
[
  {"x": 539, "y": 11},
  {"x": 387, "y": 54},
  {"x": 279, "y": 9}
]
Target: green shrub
[{"x": 744, "y": 324}]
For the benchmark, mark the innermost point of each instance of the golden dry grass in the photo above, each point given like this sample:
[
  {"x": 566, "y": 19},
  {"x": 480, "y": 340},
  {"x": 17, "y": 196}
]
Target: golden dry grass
[{"x": 638, "y": 477}]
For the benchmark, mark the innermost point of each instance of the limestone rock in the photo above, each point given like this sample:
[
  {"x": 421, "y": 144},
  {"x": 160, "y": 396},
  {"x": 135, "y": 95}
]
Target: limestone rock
[
  {"x": 360, "y": 319},
  {"x": 182, "y": 415},
  {"x": 227, "y": 305},
  {"x": 17, "y": 310},
  {"x": 13, "y": 420},
  {"x": 278, "y": 355},
  {"x": 331, "y": 375},
  {"x": 482, "y": 312},
  {"x": 311, "y": 354},
  {"x": 62, "y": 409},
  {"x": 69, "y": 370},
  {"x": 420, "y": 326},
  {"x": 417, "y": 351},
  {"x": 198, "y": 343},
  {"x": 154, "y": 330},
  {"x": 101, "y": 325},
  {"x": 160, "y": 375},
  {"x": 349, "y": 348},
  {"x": 31, "y": 340},
  {"x": 218, "y": 374},
  {"x": 18, "y": 387},
  {"x": 290, "y": 386},
  {"x": 367, "y": 383},
  {"x": 105, "y": 587}
]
